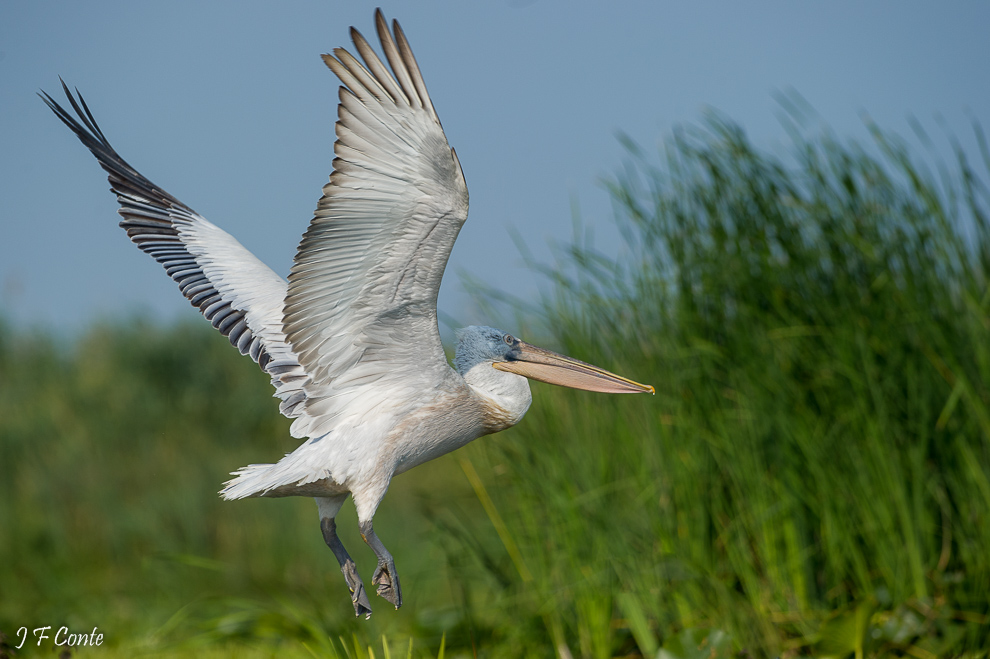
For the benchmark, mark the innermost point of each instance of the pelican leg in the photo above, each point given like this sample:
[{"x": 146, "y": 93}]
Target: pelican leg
[
  {"x": 385, "y": 576},
  {"x": 329, "y": 507},
  {"x": 347, "y": 567}
]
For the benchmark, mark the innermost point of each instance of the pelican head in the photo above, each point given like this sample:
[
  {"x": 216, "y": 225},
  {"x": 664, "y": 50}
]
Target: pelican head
[{"x": 494, "y": 359}]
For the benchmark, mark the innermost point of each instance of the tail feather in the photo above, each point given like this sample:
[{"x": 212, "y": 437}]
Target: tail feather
[
  {"x": 289, "y": 476},
  {"x": 248, "y": 482}
]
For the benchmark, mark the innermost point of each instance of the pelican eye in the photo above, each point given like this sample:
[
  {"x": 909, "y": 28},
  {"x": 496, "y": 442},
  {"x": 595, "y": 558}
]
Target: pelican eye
[{"x": 508, "y": 339}]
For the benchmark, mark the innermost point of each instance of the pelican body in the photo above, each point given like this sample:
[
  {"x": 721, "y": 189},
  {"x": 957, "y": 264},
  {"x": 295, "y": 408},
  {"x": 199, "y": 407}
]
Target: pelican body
[{"x": 351, "y": 341}]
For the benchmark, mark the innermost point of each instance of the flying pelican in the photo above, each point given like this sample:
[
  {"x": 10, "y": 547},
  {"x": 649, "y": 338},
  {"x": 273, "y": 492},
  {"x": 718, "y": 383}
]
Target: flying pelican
[{"x": 351, "y": 340}]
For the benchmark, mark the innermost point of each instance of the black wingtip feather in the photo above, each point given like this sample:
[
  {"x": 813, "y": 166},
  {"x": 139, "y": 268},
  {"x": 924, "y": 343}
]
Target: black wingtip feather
[{"x": 124, "y": 179}]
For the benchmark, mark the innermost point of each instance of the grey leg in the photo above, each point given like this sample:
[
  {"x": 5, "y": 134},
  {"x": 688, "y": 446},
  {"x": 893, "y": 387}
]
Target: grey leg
[
  {"x": 385, "y": 577},
  {"x": 358, "y": 596},
  {"x": 329, "y": 507}
]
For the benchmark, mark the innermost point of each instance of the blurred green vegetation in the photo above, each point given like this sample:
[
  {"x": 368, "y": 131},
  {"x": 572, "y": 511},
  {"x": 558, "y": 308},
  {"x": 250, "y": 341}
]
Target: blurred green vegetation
[{"x": 811, "y": 479}]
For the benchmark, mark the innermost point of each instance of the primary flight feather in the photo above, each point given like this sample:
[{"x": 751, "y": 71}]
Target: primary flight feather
[{"x": 351, "y": 340}]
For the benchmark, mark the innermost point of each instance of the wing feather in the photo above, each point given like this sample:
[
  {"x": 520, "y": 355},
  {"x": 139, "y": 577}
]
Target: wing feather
[
  {"x": 378, "y": 69},
  {"x": 359, "y": 308},
  {"x": 361, "y": 302},
  {"x": 401, "y": 73},
  {"x": 237, "y": 293}
]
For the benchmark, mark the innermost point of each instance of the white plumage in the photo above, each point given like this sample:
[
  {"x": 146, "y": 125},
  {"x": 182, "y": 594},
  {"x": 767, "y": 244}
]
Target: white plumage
[{"x": 351, "y": 341}]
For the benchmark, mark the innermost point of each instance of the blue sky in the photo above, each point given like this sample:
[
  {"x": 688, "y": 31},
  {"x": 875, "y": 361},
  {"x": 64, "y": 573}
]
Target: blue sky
[{"x": 228, "y": 106}]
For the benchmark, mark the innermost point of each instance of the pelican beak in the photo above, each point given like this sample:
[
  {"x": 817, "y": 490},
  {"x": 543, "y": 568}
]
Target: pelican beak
[{"x": 551, "y": 367}]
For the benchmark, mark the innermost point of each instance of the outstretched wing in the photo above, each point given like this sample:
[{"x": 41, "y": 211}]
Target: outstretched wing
[
  {"x": 361, "y": 303},
  {"x": 237, "y": 293}
]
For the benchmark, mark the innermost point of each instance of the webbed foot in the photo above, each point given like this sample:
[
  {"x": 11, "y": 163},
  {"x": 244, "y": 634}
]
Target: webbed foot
[
  {"x": 358, "y": 595},
  {"x": 388, "y": 583}
]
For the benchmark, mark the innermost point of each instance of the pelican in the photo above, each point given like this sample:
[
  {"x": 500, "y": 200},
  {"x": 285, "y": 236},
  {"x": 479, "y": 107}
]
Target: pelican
[{"x": 351, "y": 340}]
